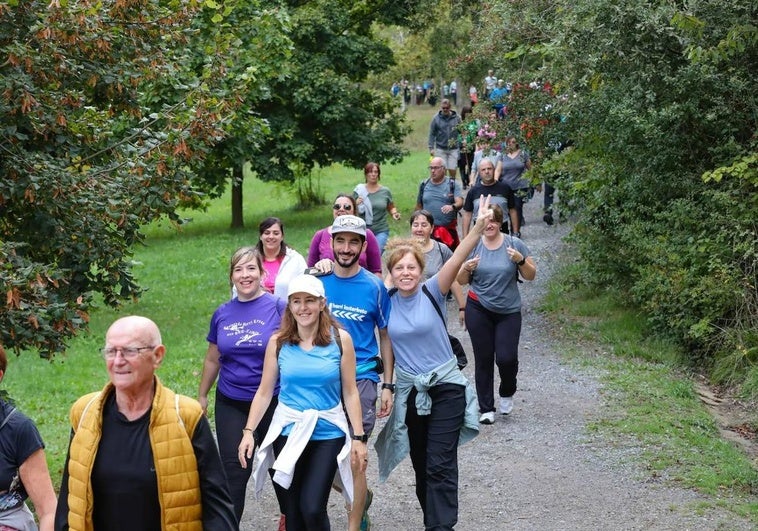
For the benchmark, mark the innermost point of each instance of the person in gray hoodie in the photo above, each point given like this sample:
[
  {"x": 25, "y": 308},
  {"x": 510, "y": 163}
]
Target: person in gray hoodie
[{"x": 444, "y": 138}]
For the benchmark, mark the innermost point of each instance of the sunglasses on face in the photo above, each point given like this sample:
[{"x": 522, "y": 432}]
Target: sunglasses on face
[{"x": 342, "y": 207}]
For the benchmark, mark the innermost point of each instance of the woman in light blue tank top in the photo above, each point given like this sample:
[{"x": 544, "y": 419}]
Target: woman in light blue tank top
[{"x": 316, "y": 370}]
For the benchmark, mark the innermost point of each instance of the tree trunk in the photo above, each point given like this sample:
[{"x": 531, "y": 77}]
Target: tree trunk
[{"x": 237, "y": 220}]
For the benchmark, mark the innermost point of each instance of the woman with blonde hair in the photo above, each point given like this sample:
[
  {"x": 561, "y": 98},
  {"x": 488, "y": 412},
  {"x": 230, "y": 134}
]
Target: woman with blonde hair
[
  {"x": 435, "y": 406},
  {"x": 237, "y": 337}
]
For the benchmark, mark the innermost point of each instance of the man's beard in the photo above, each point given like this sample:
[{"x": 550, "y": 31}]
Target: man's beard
[{"x": 346, "y": 265}]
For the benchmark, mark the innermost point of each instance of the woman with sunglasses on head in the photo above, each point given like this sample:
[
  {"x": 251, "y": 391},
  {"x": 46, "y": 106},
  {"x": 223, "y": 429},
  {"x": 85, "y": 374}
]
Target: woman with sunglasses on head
[
  {"x": 321, "y": 244},
  {"x": 374, "y": 203}
]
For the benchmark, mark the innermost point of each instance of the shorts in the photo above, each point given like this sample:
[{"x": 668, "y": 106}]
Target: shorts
[
  {"x": 368, "y": 394},
  {"x": 450, "y": 156}
]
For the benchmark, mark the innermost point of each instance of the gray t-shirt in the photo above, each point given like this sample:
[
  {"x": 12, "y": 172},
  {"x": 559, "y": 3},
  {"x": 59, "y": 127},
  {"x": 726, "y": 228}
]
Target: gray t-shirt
[
  {"x": 435, "y": 258},
  {"x": 435, "y": 196},
  {"x": 418, "y": 335},
  {"x": 513, "y": 168},
  {"x": 494, "y": 280}
]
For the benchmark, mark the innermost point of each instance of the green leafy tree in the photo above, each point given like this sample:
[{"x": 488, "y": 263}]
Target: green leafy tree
[
  {"x": 89, "y": 151},
  {"x": 660, "y": 105},
  {"x": 321, "y": 113}
]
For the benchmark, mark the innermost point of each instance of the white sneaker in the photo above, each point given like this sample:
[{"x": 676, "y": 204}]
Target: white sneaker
[
  {"x": 506, "y": 405},
  {"x": 487, "y": 418}
]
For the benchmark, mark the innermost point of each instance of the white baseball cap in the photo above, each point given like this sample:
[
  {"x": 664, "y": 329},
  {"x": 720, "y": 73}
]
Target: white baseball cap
[{"x": 306, "y": 284}]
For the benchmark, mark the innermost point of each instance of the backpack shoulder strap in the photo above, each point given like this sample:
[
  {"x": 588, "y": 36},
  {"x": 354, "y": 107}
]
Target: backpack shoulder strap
[
  {"x": 420, "y": 197},
  {"x": 434, "y": 302},
  {"x": 338, "y": 339},
  {"x": 7, "y": 418},
  {"x": 391, "y": 291},
  {"x": 442, "y": 256}
]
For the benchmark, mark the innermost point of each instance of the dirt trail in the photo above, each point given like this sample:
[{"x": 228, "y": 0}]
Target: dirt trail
[{"x": 538, "y": 468}]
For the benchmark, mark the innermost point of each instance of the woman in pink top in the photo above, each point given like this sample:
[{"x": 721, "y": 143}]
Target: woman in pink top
[{"x": 321, "y": 244}]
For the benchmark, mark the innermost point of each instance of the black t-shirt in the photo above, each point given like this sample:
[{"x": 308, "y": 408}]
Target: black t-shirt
[
  {"x": 19, "y": 439},
  {"x": 124, "y": 482},
  {"x": 501, "y": 195}
]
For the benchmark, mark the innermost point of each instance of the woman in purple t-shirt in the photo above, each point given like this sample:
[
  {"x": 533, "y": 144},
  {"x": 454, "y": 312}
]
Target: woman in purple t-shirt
[{"x": 237, "y": 338}]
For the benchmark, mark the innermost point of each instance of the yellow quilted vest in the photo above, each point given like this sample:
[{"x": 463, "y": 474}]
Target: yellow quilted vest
[{"x": 172, "y": 423}]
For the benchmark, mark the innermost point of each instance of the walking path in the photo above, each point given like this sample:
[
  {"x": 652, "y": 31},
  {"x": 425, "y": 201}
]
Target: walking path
[{"x": 538, "y": 468}]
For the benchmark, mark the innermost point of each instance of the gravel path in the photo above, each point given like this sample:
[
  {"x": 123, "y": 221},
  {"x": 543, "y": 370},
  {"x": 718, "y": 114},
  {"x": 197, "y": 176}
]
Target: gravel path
[{"x": 538, "y": 468}]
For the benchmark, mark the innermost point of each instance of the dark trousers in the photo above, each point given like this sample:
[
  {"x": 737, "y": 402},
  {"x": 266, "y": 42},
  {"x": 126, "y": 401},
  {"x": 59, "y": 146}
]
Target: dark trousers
[
  {"x": 494, "y": 338},
  {"x": 434, "y": 453},
  {"x": 308, "y": 495},
  {"x": 231, "y": 417},
  {"x": 520, "y": 197}
]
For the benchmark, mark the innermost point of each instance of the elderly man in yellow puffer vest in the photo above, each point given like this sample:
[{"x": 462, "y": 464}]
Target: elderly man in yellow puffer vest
[{"x": 141, "y": 456}]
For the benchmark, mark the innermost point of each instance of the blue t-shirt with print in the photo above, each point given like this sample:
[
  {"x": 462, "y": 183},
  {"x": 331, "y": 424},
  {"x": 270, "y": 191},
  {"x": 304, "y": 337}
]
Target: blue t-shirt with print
[{"x": 361, "y": 304}]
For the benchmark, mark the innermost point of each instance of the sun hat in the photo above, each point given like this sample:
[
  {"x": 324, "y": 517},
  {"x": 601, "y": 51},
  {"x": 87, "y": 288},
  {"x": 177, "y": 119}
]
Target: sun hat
[
  {"x": 306, "y": 284},
  {"x": 349, "y": 223}
]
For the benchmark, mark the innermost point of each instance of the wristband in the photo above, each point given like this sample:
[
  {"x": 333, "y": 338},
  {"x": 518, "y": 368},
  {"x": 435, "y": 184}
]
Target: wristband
[{"x": 461, "y": 309}]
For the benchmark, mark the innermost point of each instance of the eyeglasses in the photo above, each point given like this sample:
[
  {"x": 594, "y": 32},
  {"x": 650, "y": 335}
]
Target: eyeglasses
[
  {"x": 337, "y": 206},
  {"x": 126, "y": 352},
  {"x": 435, "y": 167}
]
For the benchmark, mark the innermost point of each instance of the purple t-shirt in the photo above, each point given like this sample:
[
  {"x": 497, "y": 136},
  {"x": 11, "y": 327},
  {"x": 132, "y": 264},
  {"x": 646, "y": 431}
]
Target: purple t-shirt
[{"x": 241, "y": 331}]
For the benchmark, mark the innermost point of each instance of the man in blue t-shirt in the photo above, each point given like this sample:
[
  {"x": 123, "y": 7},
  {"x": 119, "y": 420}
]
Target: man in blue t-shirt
[{"x": 360, "y": 302}]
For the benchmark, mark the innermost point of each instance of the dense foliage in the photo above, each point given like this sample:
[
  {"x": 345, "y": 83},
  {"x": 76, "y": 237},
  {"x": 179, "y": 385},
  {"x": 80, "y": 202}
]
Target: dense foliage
[
  {"x": 658, "y": 99},
  {"x": 90, "y": 149}
]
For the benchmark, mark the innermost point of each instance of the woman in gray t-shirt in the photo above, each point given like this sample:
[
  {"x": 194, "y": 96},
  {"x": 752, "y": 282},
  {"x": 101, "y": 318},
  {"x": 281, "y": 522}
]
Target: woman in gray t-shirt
[{"x": 493, "y": 312}]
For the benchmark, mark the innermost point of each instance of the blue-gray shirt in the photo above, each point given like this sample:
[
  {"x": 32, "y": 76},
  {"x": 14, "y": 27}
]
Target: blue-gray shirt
[
  {"x": 435, "y": 196},
  {"x": 494, "y": 280}
]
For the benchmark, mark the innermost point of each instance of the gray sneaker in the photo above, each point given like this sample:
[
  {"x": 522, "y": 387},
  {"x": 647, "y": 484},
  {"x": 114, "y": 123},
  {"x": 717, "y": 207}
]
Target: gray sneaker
[
  {"x": 506, "y": 405},
  {"x": 487, "y": 418}
]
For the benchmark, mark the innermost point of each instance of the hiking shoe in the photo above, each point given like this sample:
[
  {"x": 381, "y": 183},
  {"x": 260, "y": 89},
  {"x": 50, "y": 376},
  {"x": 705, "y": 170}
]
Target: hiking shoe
[
  {"x": 365, "y": 520},
  {"x": 506, "y": 405},
  {"x": 548, "y": 218},
  {"x": 487, "y": 418}
]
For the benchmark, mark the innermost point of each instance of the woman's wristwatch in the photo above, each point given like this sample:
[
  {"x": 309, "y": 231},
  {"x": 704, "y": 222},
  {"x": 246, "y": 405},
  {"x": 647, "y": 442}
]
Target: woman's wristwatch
[
  {"x": 362, "y": 438},
  {"x": 522, "y": 262},
  {"x": 389, "y": 386}
]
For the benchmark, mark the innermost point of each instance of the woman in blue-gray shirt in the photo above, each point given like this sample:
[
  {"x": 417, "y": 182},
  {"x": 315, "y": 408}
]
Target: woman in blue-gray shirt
[
  {"x": 493, "y": 312},
  {"x": 435, "y": 407}
]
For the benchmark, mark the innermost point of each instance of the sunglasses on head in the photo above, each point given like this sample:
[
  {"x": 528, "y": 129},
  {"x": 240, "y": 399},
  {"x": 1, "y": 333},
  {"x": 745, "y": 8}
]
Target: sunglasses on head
[{"x": 337, "y": 206}]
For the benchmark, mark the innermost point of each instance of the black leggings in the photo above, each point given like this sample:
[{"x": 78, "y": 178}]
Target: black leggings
[
  {"x": 308, "y": 495},
  {"x": 495, "y": 338},
  {"x": 231, "y": 417}
]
